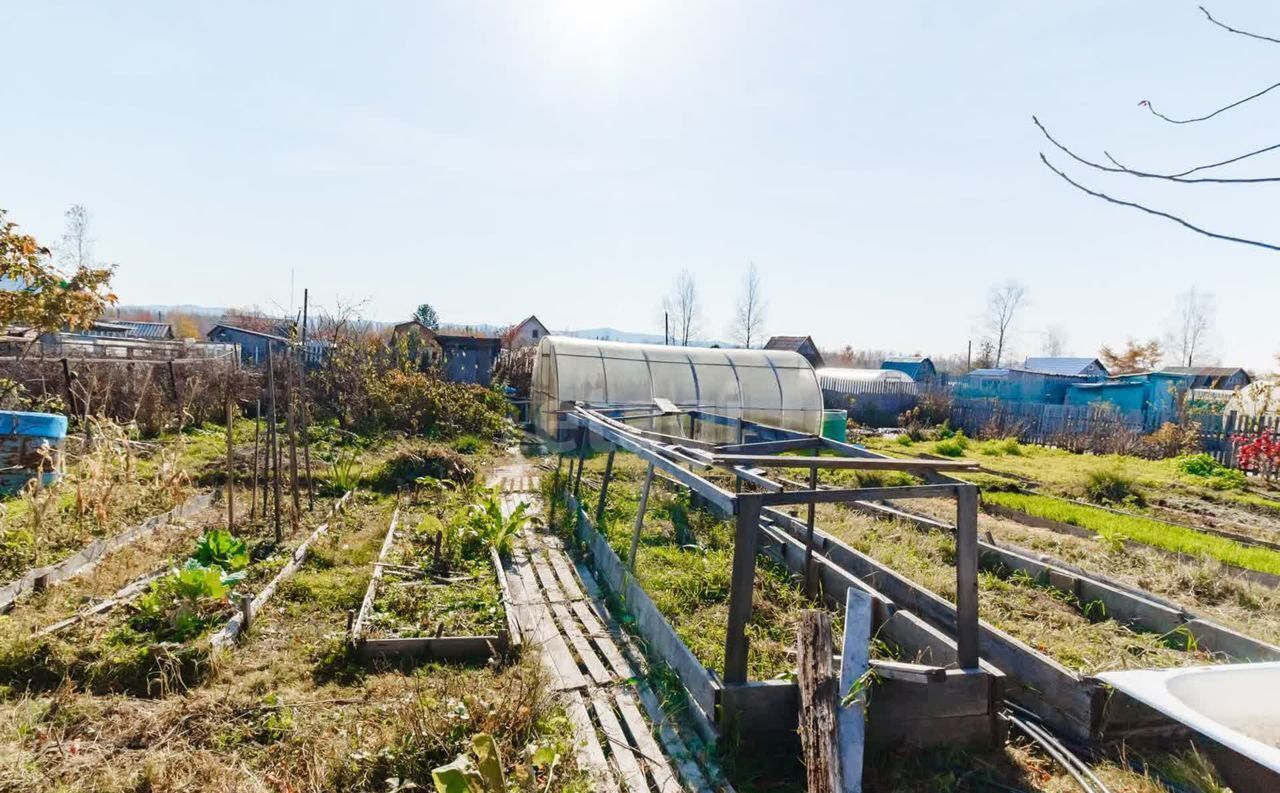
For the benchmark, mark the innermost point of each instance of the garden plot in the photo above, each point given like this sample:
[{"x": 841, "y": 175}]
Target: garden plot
[
  {"x": 438, "y": 588},
  {"x": 1191, "y": 489},
  {"x": 288, "y": 710},
  {"x": 1074, "y": 633},
  {"x": 154, "y": 633}
]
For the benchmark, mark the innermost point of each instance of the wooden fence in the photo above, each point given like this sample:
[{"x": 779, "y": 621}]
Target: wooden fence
[
  {"x": 874, "y": 402},
  {"x": 1100, "y": 428}
]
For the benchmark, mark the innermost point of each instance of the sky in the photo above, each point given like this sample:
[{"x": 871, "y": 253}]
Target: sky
[{"x": 877, "y": 162}]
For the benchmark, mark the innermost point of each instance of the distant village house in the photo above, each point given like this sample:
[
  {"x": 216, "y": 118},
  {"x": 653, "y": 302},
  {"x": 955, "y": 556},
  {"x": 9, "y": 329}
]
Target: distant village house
[{"x": 801, "y": 344}]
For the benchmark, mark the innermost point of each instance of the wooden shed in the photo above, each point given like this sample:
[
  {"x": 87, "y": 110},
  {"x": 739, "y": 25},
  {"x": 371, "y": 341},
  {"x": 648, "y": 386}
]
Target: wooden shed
[{"x": 801, "y": 344}]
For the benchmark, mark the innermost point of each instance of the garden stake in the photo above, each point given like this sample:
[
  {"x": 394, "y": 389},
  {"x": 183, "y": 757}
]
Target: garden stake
[
  {"x": 246, "y": 613},
  {"x": 275, "y": 440},
  {"x": 302, "y": 398},
  {"x": 293, "y": 443},
  {"x": 604, "y": 485},
  {"x": 582, "y": 458},
  {"x": 435, "y": 563},
  {"x": 810, "y": 586},
  {"x": 231, "y": 476},
  {"x": 635, "y": 533},
  {"x": 555, "y": 490},
  {"x": 257, "y": 428}
]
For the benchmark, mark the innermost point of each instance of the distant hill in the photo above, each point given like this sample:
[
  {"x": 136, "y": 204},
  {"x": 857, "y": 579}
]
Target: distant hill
[{"x": 613, "y": 334}]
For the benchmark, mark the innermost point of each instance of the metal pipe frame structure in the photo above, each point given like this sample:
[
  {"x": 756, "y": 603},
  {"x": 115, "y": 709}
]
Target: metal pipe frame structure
[{"x": 761, "y": 451}]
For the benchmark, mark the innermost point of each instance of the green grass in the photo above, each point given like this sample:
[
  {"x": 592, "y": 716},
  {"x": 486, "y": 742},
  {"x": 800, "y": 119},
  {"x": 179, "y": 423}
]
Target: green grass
[{"x": 1144, "y": 530}]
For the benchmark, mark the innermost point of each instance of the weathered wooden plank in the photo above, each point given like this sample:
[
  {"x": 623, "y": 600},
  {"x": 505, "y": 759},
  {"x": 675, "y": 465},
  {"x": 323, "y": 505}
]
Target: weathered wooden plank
[
  {"x": 832, "y": 496},
  {"x": 450, "y": 648},
  {"x": 854, "y": 661},
  {"x": 544, "y": 628},
  {"x": 370, "y": 593},
  {"x": 623, "y": 753},
  {"x": 655, "y": 761},
  {"x": 967, "y": 576},
  {"x": 820, "y": 740},
  {"x": 508, "y": 602},
  {"x": 587, "y": 654},
  {"x": 588, "y": 752}
]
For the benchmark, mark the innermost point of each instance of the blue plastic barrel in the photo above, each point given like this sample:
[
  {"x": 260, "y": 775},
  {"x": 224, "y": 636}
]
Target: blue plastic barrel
[{"x": 30, "y": 445}]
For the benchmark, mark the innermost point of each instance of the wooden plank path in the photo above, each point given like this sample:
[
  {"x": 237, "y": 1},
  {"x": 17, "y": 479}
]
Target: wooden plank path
[{"x": 625, "y": 741}]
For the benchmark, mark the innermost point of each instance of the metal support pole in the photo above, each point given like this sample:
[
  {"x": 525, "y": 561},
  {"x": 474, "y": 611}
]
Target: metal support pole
[
  {"x": 644, "y": 504},
  {"x": 231, "y": 473},
  {"x": 604, "y": 487},
  {"x": 275, "y": 451},
  {"x": 253, "y": 487},
  {"x": 741, "y": 587},
  {"x": 967, "y": 576}
]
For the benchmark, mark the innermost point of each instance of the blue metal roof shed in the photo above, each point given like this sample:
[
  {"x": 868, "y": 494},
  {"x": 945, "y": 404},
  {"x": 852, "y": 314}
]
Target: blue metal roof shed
[{"x": 919, "y": 368}]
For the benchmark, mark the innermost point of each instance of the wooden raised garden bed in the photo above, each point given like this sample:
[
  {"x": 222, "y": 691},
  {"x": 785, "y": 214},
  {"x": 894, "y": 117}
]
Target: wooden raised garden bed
[{"x": 409, "y": 601}]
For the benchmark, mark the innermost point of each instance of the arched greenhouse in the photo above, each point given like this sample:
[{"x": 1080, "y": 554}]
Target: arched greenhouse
[{"x": 773, "y": 387}]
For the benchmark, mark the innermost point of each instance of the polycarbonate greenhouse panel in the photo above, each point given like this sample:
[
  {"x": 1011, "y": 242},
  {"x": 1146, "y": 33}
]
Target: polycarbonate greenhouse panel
[{"x": 775, "y": 387}]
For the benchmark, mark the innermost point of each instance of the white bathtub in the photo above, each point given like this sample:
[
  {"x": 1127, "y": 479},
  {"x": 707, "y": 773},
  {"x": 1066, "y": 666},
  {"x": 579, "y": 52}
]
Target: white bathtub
[{"x": 1236, "y": 707}]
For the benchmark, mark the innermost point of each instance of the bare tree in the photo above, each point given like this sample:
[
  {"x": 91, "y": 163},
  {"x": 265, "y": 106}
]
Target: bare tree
[
  {"x": 1053, "y": 342},
  {"x": 1191, "y": 326},
  {"x": 76, "y": 250},
  {"x": 683, "y": 306},
  {"x": 1197, "y": 174},
  {"x": 1002, "y": 307},
  {"x": 748, "y": 324}
]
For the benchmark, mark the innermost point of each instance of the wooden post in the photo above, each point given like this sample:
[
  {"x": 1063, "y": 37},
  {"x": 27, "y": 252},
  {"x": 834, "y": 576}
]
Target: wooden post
[
  {"x": 854, "y": 663},
  {"x": 582, "y": 458},
  {"x": 967, "y": 576},
  {"x": 741, "y": 587},
  {"x": 303, "y": 415},
  {"x": 253, "y": 488},
  {"x": 293, "y": 444},
  {"x": 66, "y": 387},
  {"x": 231, "y": 472},
  {"x": 177, "y": 395},
  {"x": 819, "y": 741},
  {"x": 810, "y": 584},
  {"x": 604, "y": 487},
  {"x": 275, "y": 453},
  {"x": 246, "y": 613},
  {"x": 644, "y": 504},
  {"x": 555, "y": 491}
]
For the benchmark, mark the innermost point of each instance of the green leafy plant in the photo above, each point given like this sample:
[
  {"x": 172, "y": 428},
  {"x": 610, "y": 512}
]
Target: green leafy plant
[
  {"x": 492, "y": 527},
  {"x": 953, "y": 446},
  {"x": 1215, "y": 474},
  {"x": 183, "y": 603},
  {"x": 344, "y": 470},
  {"x": 468, "y": 444},
  {"x": 481, "y": 775},
  {"x": 219, "y": 548}
]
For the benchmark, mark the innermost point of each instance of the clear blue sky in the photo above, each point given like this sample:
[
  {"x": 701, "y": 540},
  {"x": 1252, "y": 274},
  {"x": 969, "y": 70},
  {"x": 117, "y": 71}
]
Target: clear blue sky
[{"x": 877, "y": 161}]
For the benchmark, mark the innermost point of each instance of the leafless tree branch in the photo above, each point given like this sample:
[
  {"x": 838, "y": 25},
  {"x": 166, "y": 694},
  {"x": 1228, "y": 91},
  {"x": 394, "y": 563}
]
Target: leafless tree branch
[
  {"x": 1198, "y": 168},
  {"x": 1155, "y": 212},
  {"x": 1144, "y": 174},
  {"x": 1145, "y": 103},
  {"x": 1240, "y": 32}
]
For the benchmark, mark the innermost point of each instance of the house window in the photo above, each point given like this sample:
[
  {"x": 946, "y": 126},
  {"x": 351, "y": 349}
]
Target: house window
[{"x": 535, "y": 333}]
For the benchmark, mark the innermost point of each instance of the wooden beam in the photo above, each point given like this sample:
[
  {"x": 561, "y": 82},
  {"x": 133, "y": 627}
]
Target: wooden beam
[
  {"x": 857, "y": 463},
  {"x": 857, "y": 494},
  {"x": 967, "y": 576},
  {"x": 741, "y": 588},
  {"x": 770, "y": 447}
]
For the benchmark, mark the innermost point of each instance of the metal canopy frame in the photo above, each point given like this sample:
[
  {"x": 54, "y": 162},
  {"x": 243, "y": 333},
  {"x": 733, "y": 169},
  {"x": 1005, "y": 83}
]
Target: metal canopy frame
[{"x": 754, "y": 460}]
